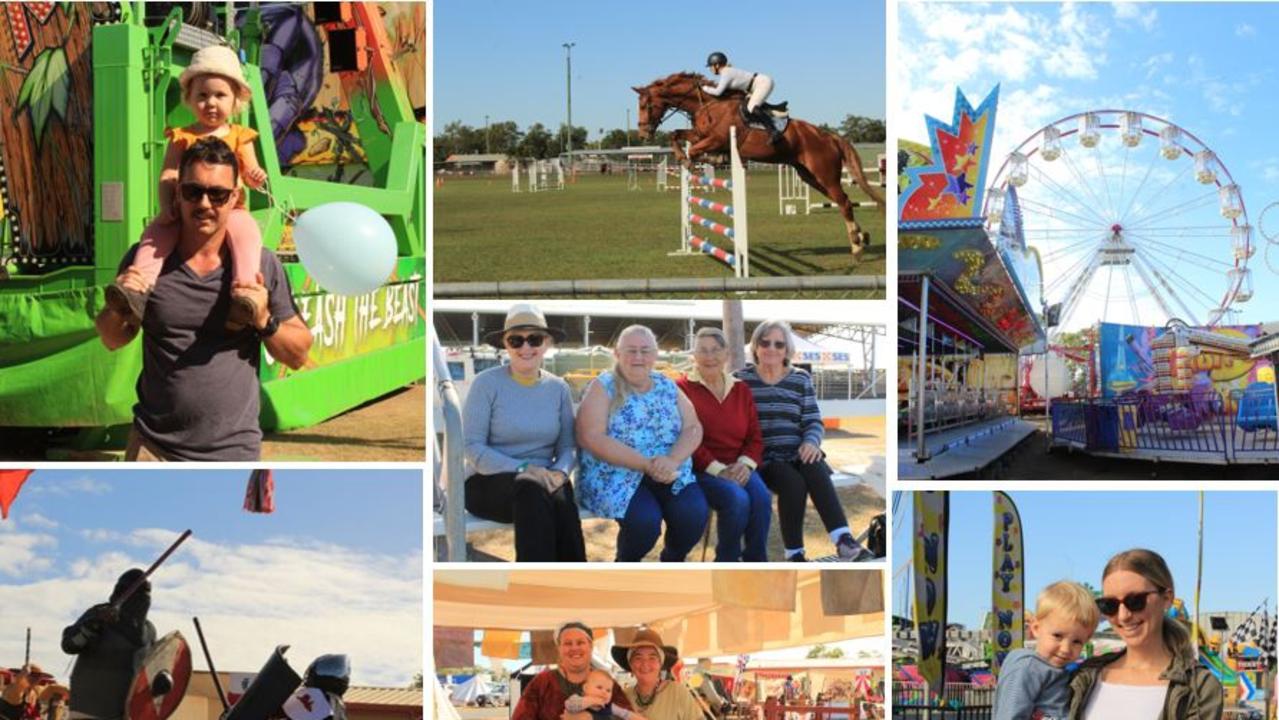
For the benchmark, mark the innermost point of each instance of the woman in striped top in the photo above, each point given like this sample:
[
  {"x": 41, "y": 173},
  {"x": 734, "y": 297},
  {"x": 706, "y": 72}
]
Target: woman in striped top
[{"x": 793, "y": 468}]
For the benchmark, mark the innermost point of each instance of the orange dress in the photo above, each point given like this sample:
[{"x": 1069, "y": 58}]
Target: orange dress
[{"x": 239, "y": 138}]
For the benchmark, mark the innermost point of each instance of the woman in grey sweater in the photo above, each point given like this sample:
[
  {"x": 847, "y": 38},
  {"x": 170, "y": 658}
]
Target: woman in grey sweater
[{"x": 518, "y": 423}]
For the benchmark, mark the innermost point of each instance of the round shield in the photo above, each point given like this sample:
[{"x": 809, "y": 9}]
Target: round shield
[{"x": 145, "y": 701}]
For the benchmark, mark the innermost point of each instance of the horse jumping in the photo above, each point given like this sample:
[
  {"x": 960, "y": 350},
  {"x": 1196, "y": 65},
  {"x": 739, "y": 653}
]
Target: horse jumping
[{"x": 817, "y": 156}]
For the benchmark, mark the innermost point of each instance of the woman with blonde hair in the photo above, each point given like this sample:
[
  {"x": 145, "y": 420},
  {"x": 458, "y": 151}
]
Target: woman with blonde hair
[
  {"x": 638, "y": 432},
  {"x": 1156, "y": 676}
]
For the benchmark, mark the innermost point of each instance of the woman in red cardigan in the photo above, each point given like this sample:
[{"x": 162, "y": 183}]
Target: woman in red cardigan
[{"x": 725, "y": 463}]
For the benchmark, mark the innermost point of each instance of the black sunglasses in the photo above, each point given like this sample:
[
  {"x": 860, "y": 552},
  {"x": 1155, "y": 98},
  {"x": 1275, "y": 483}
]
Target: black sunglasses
[
  {"x": 1135, "y": 602},
  {"x": 775, "y": 344},
  {"x": 516, "y": 342},
  {"x": 218, "y": 196}
]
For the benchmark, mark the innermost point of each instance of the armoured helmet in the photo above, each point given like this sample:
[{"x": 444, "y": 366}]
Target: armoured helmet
[
  {"x": 330, "y": 673},
  {"x": 716, "y": 58}
]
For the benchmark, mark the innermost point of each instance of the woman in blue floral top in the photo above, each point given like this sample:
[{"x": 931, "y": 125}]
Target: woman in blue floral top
[{"x": 637, "y": 433}]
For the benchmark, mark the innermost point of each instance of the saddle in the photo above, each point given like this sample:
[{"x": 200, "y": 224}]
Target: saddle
[{"x": 777, "y": 114}]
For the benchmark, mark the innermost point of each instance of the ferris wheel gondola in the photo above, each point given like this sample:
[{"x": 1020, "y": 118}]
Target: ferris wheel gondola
[{"x": 1135, "y": 220}]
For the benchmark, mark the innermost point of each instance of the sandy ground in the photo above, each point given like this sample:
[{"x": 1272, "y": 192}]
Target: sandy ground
[
  {"x": 857, "y": 449},
  {"x": 389, "y": 429},
  {"x": 1031, "y": 460}
]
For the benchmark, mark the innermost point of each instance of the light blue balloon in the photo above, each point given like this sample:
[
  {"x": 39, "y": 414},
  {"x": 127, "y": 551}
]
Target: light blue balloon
[{"x": 347, "y": 247}]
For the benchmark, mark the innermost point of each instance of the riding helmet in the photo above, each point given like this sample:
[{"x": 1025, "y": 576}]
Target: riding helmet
[{"x": 716, "y": 58}]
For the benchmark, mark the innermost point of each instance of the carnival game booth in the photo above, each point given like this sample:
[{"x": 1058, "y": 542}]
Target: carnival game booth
[
  {"x": 703, "y": 613},
  {"x": 967, "y": 301},
  {"x": 1177, "y": 393},
  {"x": 93, "y": 87}
]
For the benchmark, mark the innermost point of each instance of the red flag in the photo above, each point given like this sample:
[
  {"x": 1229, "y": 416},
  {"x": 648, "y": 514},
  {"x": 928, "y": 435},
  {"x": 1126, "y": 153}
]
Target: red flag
[
  {"x": 10, "y": 483},
  {"x": 259, "y": 497}
]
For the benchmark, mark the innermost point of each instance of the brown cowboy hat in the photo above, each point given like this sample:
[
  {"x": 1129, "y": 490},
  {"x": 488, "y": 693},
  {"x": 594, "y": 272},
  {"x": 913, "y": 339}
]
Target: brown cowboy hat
[
  {"x": 523, "y": 316},
  {"x": 645, "y": 638}
]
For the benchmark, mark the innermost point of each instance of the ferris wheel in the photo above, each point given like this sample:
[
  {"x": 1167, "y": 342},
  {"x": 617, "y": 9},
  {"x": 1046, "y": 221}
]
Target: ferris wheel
[{"x": 1135, "y": 220}]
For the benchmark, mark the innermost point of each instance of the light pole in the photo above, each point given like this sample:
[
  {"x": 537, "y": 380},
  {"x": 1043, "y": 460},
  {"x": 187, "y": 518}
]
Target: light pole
[
  {"x": 568, "y": 64},
  {"x": 487, "y": 145}
]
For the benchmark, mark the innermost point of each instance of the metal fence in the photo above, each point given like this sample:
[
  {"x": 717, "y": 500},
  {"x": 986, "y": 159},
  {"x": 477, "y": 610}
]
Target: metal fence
[
  {"x": 959, "y": 701},
  {"x": 1190, "y": 426}
]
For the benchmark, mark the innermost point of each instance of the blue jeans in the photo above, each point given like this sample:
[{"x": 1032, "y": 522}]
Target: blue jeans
[
  {"x": 685, "y": 516},
  {"x": 741, "y": 510}
]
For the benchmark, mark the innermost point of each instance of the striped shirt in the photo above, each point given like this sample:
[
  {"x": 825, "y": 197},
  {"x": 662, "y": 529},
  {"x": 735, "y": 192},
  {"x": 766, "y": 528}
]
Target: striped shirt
[{"x": 788, "y": 414}]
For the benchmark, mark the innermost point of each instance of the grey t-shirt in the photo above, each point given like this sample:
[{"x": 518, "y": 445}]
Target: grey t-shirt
[
  {"x": 1027, "y": 683},
  {"x": 507, "y": 424},
  {"x": 198, "y": 391}
]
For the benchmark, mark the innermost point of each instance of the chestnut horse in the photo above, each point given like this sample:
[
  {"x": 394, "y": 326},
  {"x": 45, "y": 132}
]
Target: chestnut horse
[{"x": 816, "y": 155}]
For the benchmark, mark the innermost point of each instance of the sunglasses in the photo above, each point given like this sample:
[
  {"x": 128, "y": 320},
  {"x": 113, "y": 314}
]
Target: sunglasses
[
  {"x": 218, "y": 196},
  {"x": 775, "y": 344},
  {"x": 1135, "y": 602},
  {"x": 516, "y": 342}
]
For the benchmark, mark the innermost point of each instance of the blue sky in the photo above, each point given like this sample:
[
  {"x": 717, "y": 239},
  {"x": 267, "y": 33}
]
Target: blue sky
[
  {"x": 1071, "y": 535},
  {"x": 1209, "y": 68},
  {"x": 504, "y": 58},
  {"x": 336, "y": 568}
]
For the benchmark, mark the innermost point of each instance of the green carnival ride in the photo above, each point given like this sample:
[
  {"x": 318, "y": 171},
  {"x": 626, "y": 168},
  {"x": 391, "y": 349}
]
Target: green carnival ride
[{"x": 66, "y": 229}]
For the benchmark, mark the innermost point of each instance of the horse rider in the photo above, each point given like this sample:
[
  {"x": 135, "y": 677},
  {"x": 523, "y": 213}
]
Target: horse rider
[{"x": 757, "y": 87}]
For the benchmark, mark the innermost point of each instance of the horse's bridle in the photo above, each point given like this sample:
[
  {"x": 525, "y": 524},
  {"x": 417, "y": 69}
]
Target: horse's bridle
[{"x": 672, "y": 109}]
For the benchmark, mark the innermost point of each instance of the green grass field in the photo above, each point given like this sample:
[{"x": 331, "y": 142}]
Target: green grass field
[{"x": 597, "y": 229}]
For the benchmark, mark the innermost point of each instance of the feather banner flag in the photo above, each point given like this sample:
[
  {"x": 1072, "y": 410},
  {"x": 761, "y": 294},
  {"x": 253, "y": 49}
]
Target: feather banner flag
[
  {"x": 932, "y": 520},
  {"x": 259, "y": 497},
  {"x": 1007, "y": 592},
  {"x": 10, "y": 483}
]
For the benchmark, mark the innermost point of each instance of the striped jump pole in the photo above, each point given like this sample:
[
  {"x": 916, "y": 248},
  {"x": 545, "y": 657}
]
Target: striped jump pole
[
  {"x": 732, "y": 228},
  {"x": 794, "y": 193}
]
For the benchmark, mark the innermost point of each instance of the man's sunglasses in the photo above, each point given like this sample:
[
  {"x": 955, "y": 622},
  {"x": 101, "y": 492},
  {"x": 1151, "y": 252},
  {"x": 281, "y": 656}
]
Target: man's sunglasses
[
  {"x": 218, "y": 196},
  {"x": 516, "y": 342},
  {"x": 1135, "y": 602},
  {"x": 775, "y": 344}
]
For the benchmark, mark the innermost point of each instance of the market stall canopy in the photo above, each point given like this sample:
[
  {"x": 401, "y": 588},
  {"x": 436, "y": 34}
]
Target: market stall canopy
[{"x": 716, "y": 612}]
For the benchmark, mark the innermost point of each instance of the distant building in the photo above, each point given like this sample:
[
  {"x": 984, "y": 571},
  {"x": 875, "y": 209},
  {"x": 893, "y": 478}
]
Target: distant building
[
  {"x": 362, "y": 703},
  {"x": 482, "y": 163}
]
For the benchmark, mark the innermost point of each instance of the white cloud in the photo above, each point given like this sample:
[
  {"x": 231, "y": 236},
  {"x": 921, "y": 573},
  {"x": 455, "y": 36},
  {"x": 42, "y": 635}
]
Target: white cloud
[
  {"x": 36, "y": 520},
  {"x": 1245, "y": 30},
  {"x": 1155, "y": 63},
  {"x": 1142, "y": 14},
  {"x": 974, "y": 46},
  {"x": 99, "y": 535},
  {"x": 24, "y": 553},
  {"x": 249, "y": 598},
  {"x": 81, "y": 485}
]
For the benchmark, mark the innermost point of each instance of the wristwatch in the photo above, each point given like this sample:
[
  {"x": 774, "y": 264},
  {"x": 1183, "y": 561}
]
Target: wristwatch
[{"x": 272, "y": 325}]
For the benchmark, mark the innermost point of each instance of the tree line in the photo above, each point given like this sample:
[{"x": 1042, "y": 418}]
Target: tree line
[{"x": 539, "y": 142}]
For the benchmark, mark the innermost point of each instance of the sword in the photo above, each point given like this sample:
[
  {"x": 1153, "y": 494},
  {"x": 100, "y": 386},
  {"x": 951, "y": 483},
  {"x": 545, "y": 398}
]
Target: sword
[
  {"x": 26, "y": 661},
  {"x": 119, "y": 602}
]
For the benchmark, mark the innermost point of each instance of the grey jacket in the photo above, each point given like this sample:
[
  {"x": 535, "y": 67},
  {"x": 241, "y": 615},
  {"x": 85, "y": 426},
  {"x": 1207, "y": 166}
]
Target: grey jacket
[{"x": 1193, "y": 692}]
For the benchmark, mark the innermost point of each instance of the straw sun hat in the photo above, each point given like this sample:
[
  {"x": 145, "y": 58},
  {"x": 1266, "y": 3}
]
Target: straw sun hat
[
  {"x": 216, "y": 60},
  {"x": 523, "y": 316}
]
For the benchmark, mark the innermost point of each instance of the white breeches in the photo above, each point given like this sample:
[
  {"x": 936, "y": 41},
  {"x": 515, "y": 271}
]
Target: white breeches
[{"x": 760, "y": 90}]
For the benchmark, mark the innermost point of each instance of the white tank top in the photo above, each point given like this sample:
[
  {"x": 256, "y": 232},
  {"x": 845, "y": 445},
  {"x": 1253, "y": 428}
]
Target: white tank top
[{"x": 1125, "y": 702}]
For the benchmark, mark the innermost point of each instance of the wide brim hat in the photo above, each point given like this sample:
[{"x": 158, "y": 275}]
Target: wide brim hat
[
  {"x": 645, "y": 638},
  {"x": 523, "y": 316},
  {"x": 216, "y": 60}
]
